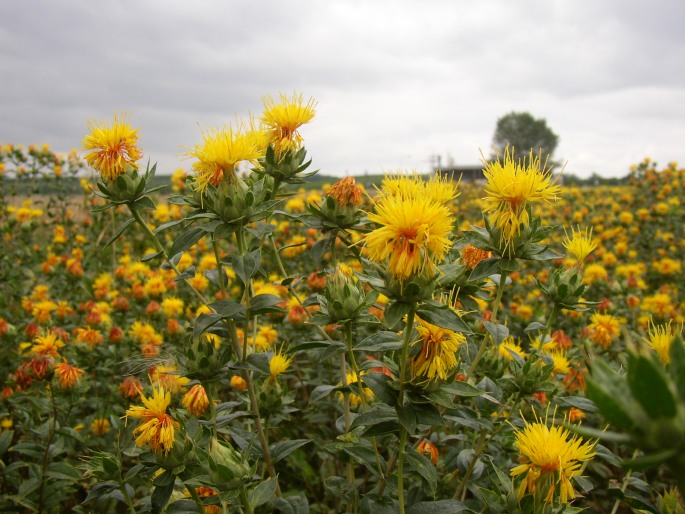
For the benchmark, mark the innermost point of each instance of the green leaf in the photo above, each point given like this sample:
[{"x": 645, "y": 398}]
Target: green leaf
[
  {"x": 167, "y": 225},
  {"x": 497, "y": 331},
  {"x": 5, "y": 441},
  {"x": 424, "y": 468},
  {"x": 380, "y": 342},
  {"x": 579, "y": 402},
  {"x": 484, "y": 269},
  {"x": 608, "y": 390},
  {"x": 321, "y": 392},
  {"x": 535, "y": 325},
  {"x": 395, "y": 312},
  {"x": 160, "y": 497},
  {"x": 203, "y": 322},
  {"x": 282, "y": 449},
  {"x": 442, "y": 316},
  {"x": 437, "y": 507},
  {"x": 63, "y": 471},
  {"x": 186, "y": 240},
  {"x": 119, "y": 232},
  {"x": 508, "y": 265},
  {"x": 378, "y": 383},
  {"x": 649, "y": 384},
  {"x": 246, "y": 266},
  {"x": 265, "y": 303},
  {"x": 602, "y": 435},
  {"x": 229, "y": 309},
  {"x": 677, "y": 367},
  {"x": 649, "y": 461},
  {"x": 182, "y": 507},
  {"x": 363, "y": 455},
  {"x": 374, "y": 416},
  {"x": 263, "y": 492},
  {"x": 143, "y": 204},
  {"x": 407, "y": 417},
  {"x": 292, "y": 504}
]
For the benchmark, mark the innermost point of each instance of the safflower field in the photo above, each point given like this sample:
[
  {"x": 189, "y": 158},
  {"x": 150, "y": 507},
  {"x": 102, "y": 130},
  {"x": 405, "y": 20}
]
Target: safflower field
[{"x": 237, "y": 341}]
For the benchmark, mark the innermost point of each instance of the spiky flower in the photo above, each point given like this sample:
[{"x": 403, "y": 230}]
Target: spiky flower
[
  {"x": 551, "y": 457},
  {"x": 112, "y": 149},
  {"x": 413, "y": 233},
  {"x": 438, "y": 188},
  {"x": 511, "y": 186},
  {"x": 604, "y": 328},
  {"x": 67, "y": 375},
  {"x": 47, "y": 344},
  {"x": 279, "y": 364},
  {"x": 157, "y": 427},
  {"x": 221, "y": 152},
  {"x": 660, "y": 338},
  {"x": 437, "y": 357},
  {"x": 282, "y": 119},
  {"x": 580, "y": 244}
]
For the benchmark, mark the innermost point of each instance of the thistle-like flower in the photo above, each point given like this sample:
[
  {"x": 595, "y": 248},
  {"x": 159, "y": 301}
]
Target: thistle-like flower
[
  {"x": 221, "y": 152},
  {"x": 580, "y": 244},
  {"x": 413, "y": 233},
  {"x": 552, "y": 457},
  {"x": 157, "y": 427},
  {"x": 112, "y": 149},
  {"x": 512, "y": 186},
  {"x": 437, "y": 357},
  {"x": 281, "y": 120}
]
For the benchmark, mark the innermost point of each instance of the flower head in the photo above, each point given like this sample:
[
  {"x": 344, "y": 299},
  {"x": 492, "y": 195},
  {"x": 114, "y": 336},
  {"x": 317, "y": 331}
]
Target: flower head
[
  {"x": 412, "y": 236},
  {"x": 580, "y": 244},
  {"x": 67, "y": 375},
  {"x": 47, "y": 344},
  {"x": 438, "y": 354},
  {"x": 281, "y": 120},
  {"x": 660, "y": 338},
  {"x": 196, "y": 400},
  {"x": 346, "y": 192},
  {"x": 551, "y": 457},
  {"x": 112, "y": 149},
  {"x": 221, "y": 152},
  {"x": 511, "y": 186},
  {"x": 604, "y": 328},
  {"x": 157, "y": 427},
  {"x": 279, "y": 364}
]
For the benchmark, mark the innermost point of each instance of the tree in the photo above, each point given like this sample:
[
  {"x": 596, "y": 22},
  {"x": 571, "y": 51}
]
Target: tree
[{"x": 523, "y": 132}]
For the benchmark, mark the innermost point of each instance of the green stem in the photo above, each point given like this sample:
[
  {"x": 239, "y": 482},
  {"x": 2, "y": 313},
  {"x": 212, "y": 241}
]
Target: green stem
[
  {"x": 52, "y": 425},
  {"x": 624, "y": 485},
  {"x": 493, "y": 319},
  {"x": 400, "y": 402},
  {"x": 461, "y": 490},
  {"x": 552, "y": 317},
  {"x": 245, "y": 501},
  {"x": 219, "y": 268},
  {"x": 196, "y": 498}
]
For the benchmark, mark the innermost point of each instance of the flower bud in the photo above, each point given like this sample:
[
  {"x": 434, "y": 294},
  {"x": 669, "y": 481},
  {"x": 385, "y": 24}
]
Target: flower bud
[
  {"x": 344, "y": 297},
  {"x": 227, "y": 468}
]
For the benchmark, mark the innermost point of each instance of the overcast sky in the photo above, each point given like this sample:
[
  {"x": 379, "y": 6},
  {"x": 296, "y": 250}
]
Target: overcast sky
[{"x": 396, "y": 81}]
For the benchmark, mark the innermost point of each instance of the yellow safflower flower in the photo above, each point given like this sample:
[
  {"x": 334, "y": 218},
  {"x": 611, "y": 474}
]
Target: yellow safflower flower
[{"x": 112, "y": 149}]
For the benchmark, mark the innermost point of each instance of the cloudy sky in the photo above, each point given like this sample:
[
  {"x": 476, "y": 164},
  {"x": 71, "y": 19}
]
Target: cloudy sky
[{"x": 396, "y": 81}]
